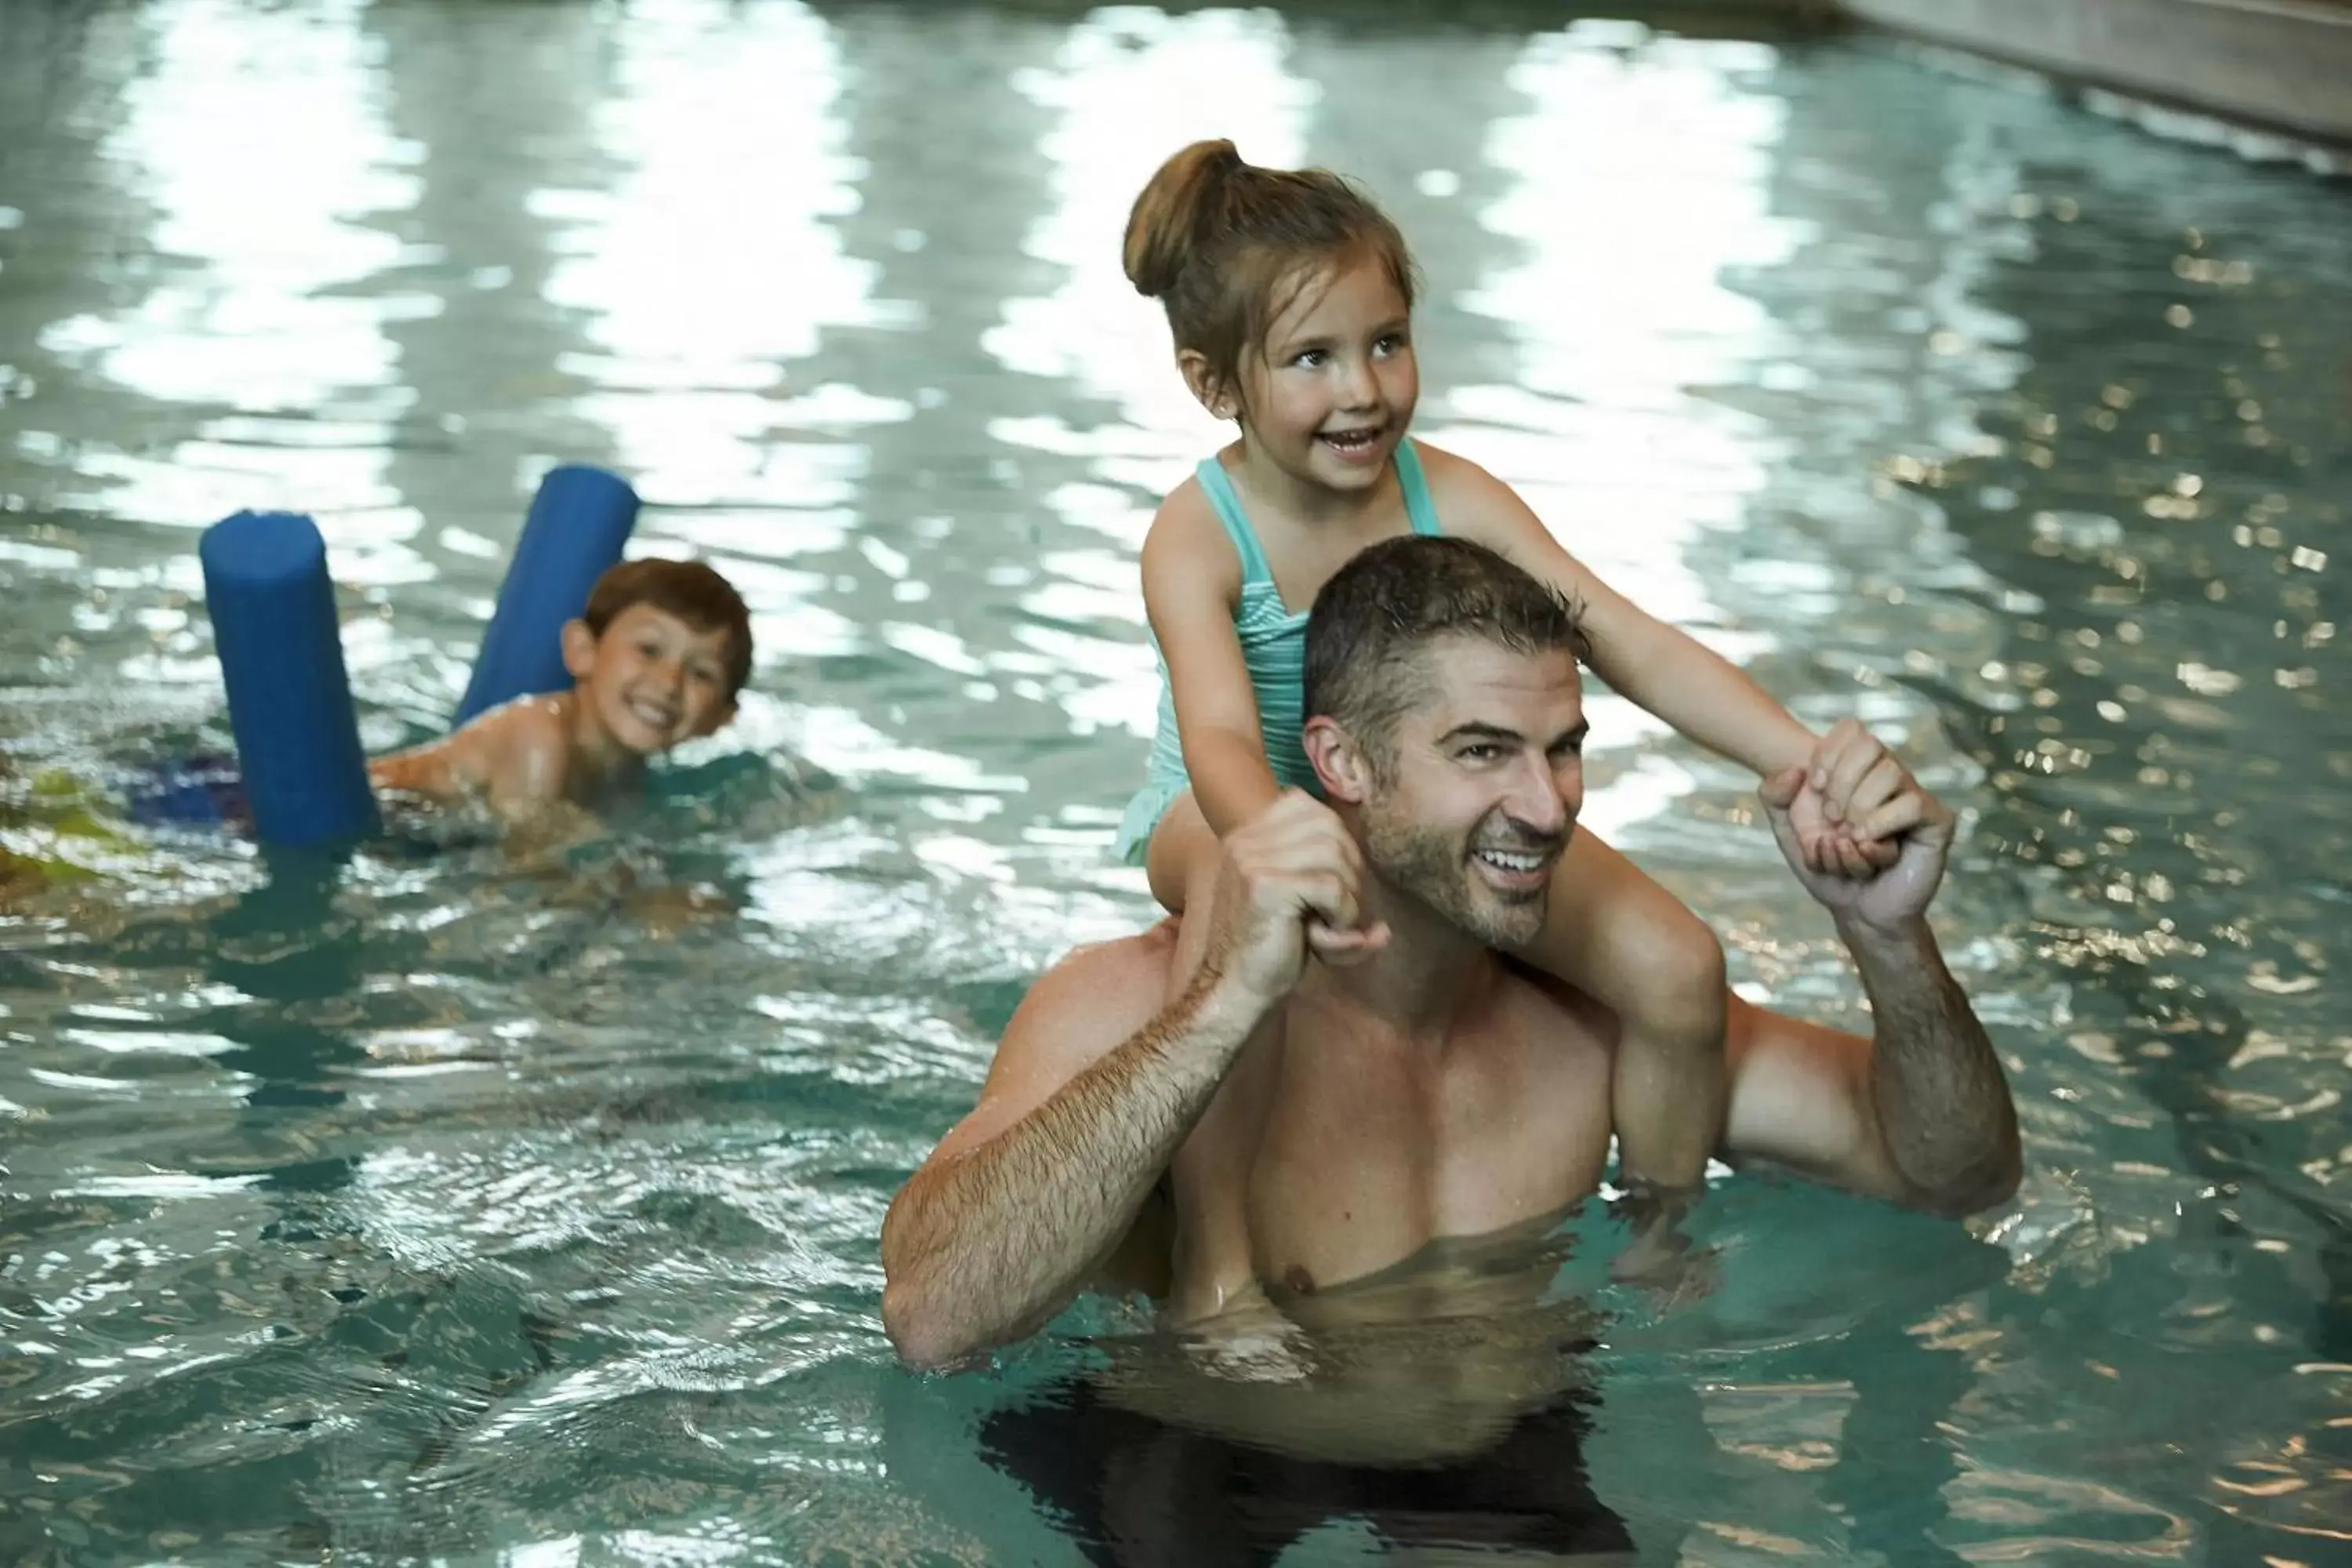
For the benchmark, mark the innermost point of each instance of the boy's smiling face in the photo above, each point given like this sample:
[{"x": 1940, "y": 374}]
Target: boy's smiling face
[{"x": 652, "y": 681}]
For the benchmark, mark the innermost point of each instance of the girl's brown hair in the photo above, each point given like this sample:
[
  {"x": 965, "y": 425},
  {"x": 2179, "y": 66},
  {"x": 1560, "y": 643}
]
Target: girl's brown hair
[{"x": 1225, "y": 244}]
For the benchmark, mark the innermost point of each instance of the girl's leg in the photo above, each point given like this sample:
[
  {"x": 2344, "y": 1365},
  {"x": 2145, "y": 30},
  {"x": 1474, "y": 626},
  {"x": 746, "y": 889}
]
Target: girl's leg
[
  {"x": 1613, "y": 933},
  {"x": 1181, "y": 863}
]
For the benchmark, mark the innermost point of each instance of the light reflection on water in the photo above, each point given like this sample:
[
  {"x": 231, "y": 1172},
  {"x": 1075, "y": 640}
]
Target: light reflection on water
[{"x": 444, "y": 1208}]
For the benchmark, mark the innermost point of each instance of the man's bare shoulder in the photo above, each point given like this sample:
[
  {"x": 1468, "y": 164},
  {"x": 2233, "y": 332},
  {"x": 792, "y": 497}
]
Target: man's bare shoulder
[
  {"x": 1081, "y": 1009},
  {"x": 1090, "y": 985},
  {"x": 1527, "y": 999}
]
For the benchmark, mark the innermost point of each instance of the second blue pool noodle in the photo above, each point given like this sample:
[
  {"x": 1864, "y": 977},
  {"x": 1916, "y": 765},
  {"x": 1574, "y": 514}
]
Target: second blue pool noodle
[
  {"x": 579, "y": 524},
  {"x": 281, "y": 656}
]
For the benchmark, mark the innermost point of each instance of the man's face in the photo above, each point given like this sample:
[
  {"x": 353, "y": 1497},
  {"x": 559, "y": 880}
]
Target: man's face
[{"x": 1488, "y": 774}]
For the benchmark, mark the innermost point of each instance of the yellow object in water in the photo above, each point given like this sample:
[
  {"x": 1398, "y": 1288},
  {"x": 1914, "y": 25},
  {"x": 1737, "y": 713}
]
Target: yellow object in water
[
  {"x": 68, "y": 806},
  {"x": 48, "y": 831},
  {"x": 24, "y": 873}
]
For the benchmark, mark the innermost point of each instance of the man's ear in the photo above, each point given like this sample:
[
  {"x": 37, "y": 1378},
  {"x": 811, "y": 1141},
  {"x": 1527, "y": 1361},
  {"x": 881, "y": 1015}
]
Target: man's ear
[
  {"x": 579, "y": 649},
  {"x": 1338, "y": 759},
  {"x": 1207, "y": 385}
]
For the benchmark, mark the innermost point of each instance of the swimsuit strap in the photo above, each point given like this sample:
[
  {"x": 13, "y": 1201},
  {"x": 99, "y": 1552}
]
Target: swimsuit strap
[
  {"x": 1419, "y": 510},
  {"x": 1228, "y": 506}
]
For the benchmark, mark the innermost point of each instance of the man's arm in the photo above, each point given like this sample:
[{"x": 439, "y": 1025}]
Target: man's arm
[
  {"x": 1094, "y": 1090},
  {"x": 1936, "y": 1090},
  {"x": 1921, "y": 1111},
  {"x": 1020, "y": 1204}
]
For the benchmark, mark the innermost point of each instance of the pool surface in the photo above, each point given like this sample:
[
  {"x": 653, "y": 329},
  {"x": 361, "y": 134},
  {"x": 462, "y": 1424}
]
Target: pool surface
[{"x": 440, "y": 1208}]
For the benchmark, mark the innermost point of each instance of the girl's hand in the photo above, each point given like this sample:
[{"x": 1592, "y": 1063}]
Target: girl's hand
[
  {"x": 1857, "y": 784},
  {"x": 1888, "y": 900}
]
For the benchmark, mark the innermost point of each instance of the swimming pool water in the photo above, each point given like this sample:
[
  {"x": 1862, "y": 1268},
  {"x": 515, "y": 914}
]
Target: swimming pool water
[{"x": 442, "y": 1208}]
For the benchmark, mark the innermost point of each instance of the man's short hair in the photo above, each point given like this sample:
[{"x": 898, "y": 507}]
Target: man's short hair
[
  {"x": 1380, "y": 611},
  {"x": 693, "y": 592}
]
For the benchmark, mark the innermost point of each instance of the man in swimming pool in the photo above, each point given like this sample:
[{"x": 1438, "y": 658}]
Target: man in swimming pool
[
  {"x": 1277, "y": 1148},
  {"x": 657, "y": 658}
]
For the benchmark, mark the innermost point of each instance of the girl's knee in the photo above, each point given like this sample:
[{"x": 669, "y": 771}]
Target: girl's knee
[
  {"x": 1693, "y": 956},
  {"x": 1679, "y": 980}
]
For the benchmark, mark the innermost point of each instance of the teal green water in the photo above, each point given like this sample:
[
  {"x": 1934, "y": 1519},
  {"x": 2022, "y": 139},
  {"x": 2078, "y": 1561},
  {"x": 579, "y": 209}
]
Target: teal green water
[{"x": 441, "y": 1212}]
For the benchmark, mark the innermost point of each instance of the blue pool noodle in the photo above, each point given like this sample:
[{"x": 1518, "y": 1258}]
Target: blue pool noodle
[
  {"x": 578, "y": 522},
  {"x": 282, "y": 657}
]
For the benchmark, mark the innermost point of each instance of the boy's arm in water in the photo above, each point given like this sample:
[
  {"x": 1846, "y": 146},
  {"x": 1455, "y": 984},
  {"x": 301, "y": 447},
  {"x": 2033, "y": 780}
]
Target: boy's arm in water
[
  {"x": 453, "y": 768},
  {"x": 1666, "y": 671},
  {"x": 1191, "y": 581},
  {"x": 513, "y": 758}
]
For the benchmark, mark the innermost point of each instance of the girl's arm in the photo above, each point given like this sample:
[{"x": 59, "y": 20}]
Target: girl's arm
[
  {"x": 1657, "y": 666},
  {"x": 1191, "y": 581}
]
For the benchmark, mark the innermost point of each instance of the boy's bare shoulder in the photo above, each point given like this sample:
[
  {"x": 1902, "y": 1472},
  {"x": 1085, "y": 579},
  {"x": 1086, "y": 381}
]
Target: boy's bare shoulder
[
  {"x": 525, "y": 722},
  {"x": 523, "y": 748},
  {"x": 513, "y": 755}
]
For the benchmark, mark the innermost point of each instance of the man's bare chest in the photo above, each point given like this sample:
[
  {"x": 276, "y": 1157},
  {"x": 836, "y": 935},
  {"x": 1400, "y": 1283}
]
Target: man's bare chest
[{"x": 1311, "y": 1171}]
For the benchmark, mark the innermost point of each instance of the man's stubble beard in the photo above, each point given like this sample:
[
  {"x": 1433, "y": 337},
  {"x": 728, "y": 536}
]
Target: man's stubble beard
[{"x": 1433, "y": 865}]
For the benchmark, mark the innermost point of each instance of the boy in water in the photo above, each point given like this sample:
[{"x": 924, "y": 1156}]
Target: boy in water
[{"x": 657, "y": 659}]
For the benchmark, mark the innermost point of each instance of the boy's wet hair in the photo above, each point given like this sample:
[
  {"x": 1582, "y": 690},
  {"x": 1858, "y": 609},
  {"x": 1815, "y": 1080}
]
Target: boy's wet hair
[
  {"x": 1225, "y": 247},
  {"x": 690, "y": 590},
  {"x": 1380, "y": 611}
]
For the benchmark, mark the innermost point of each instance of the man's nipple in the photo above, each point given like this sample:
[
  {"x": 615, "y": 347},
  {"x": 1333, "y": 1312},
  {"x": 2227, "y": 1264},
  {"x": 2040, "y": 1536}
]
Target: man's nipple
[{"x": 1297, "y": 1280}]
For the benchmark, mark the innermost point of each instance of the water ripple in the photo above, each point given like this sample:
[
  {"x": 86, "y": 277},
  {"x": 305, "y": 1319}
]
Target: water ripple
[{"x": 446, "y": 1206}]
